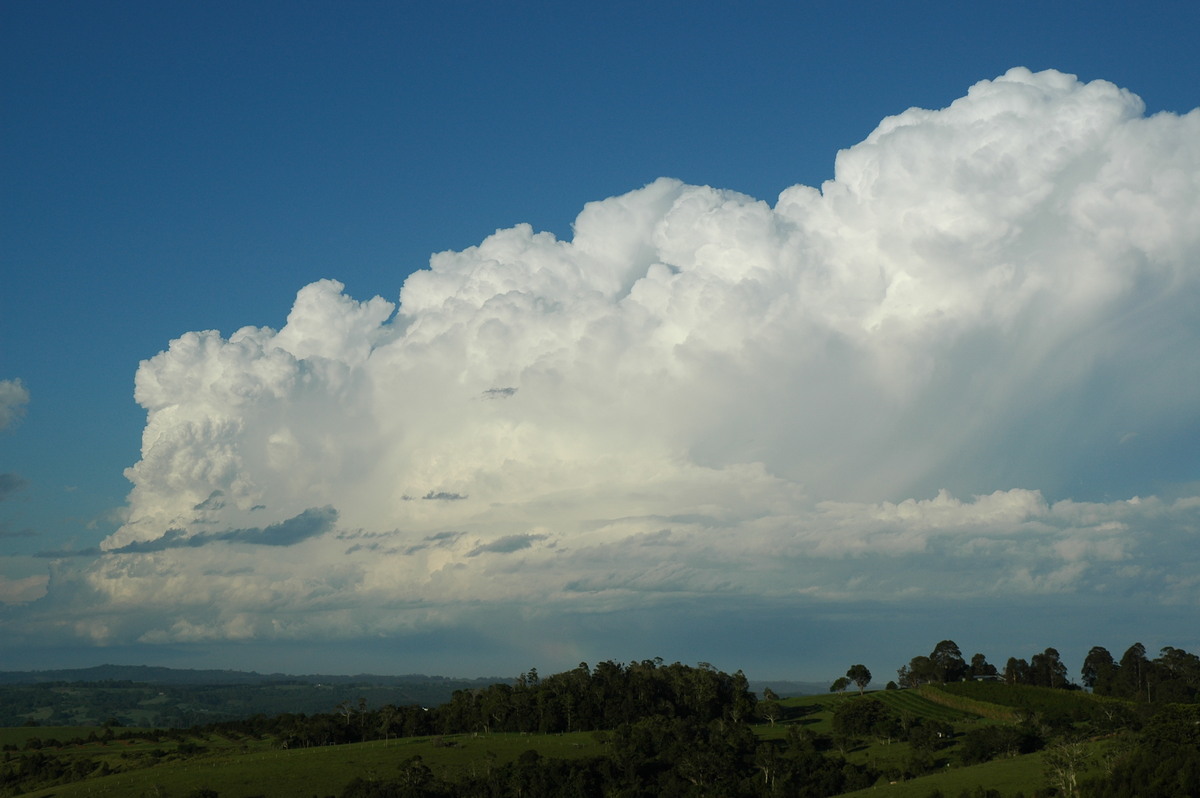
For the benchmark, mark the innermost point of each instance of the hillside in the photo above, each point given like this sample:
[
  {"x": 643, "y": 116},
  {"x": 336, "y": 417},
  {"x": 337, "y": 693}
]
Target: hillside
[{"x": 643, "y": 729}]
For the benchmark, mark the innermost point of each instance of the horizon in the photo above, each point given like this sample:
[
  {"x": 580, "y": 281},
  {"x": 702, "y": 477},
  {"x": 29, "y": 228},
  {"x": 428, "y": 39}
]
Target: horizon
[{"x": 775, "y": 338}]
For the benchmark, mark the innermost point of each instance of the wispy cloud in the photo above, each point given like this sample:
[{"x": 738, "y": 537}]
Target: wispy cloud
[
  {"x": 443, "y": 496},
  {"x": 10, "y": 484}
]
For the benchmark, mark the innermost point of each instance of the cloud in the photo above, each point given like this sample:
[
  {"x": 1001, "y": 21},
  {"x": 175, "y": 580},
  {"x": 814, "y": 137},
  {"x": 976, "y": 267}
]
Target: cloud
[
  {"x": 13, "y": 398},
  {"x": 308, "y": 524},
  {"x": 23, "y": 590},
  {"x": 887, "y": 389},
  {"x": 59, "y": 554},
  {"x": 10, "y": 484},
  {"x": 506, "y": 545}
]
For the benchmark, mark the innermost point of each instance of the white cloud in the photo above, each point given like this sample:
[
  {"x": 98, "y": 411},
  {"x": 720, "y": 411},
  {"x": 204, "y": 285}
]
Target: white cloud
[
  {"x": 13, "y": 398},
  {"x": 22, "y": 590},
  {"x": 704, "y": 395}
]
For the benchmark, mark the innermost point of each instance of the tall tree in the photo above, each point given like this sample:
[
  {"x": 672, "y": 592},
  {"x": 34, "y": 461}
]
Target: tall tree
[
  {"x": 1177, "y": 674},
  {"x": 1016, "y": 671},
  {"x": 1047, "y": 670},
  {"x": 1098, "y": 670},
  {"x": 1133, "y": 674}
]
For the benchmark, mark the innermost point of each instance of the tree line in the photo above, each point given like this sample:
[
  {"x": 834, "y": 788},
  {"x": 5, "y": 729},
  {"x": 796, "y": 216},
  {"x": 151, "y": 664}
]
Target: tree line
[{"x": 1171, "y": 677}]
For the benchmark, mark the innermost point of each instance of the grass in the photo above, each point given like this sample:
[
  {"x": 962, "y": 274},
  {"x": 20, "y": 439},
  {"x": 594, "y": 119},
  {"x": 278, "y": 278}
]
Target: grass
[
  {"x": 1019, "y": 774},
  {"x": 1009, "y": 776},
  {"x": 908, "y": 701},
  {"x": 254, "y": 768},
  {"x": 1024, "y": 774},
  {"x": 241, "y": 767}
]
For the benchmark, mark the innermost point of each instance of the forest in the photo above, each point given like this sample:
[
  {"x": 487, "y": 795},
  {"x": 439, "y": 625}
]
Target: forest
[{"x": 946, "y": 726}]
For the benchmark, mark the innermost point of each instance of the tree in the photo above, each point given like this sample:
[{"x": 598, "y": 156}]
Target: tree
[
  {"x": 1016, "y": 671},
  {"x": 839, "y": 685},
  {"x": 1047, "y": 670},
  {"x": 1178, "y": 676},
  {"x": 864, "y": 717},
  {"x": 769, "y": 707},
  {"x": 980, "y": 667},
  {"x": 1098, "y": 670},
  {"x": 947, "y": 660},
  {"x": 388, "y": 717},
  {"x": 860, "y": 676},
  {"x": 930, "y": 735},
  {"x": 1133, "y": 674},
  {"x": 1063, "y": 762},
  {"x": 1164, "y": 763},
  {"x": 771, "y": 710},
  {"x": 917, "y": 672}
]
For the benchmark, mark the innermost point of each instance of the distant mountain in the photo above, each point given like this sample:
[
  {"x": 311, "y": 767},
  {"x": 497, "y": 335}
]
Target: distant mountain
[
  {"x": 785, "y": 688},
  {"x": 148, "y": 674},
  {"x": 141, "y": 695},
  {"x": 144, "y": 695}
]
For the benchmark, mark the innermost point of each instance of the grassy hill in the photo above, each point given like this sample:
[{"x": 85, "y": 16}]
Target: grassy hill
[
  {"x": 236, "y": 766},
  {"x": 79, "y": 761}
]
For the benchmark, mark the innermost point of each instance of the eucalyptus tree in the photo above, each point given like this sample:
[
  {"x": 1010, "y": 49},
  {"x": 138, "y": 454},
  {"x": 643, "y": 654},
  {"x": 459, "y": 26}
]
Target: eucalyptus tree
[{"x": 860, "y": 676}]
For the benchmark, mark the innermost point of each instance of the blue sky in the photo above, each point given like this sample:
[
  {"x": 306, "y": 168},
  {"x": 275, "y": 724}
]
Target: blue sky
[{"x": 192, "y": 167}]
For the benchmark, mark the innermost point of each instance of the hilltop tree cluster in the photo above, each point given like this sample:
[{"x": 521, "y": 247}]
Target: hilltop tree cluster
[
  {"x": 1172, "y": 677},
  {"x": 944, "y": 664},
  {"x": 669, "y": 730},
  {"x": 600, "y": 698},
  {"x": 582, "y": 699}
]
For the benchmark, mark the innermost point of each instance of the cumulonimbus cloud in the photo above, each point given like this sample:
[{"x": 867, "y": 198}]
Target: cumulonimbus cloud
[{"x": 702, "y": 393}]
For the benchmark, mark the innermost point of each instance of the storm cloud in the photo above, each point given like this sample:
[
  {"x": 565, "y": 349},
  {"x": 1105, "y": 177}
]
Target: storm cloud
[{"x": 902, "y": 379}]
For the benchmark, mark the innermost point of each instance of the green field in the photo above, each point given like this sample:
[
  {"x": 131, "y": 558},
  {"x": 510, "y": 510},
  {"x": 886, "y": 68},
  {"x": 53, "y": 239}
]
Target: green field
[
  {"x": 246, "y": 768},
  {"x": 240, "y": 766},
  {"x": 908, "y": 701}
]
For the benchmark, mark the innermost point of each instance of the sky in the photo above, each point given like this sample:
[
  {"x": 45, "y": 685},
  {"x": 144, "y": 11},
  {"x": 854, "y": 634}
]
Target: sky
[{"x": 466, "y": 337}]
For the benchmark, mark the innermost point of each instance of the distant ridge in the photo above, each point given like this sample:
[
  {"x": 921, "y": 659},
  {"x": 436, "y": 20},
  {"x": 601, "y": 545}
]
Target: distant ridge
[
  {"x": 152, "y": 674},
  {"x": 784, "y": 689}
]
